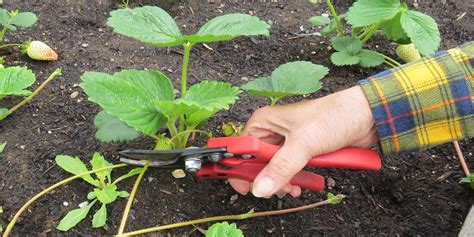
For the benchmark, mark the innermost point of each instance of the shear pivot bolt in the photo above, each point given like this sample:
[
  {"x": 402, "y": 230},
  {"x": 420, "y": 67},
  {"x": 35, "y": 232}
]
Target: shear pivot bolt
[
  {"x": 192, "y": 164},
  {"x": 246, "y": 156}
]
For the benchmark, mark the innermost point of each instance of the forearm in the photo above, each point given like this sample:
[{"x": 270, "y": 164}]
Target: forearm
[{"x": 424, "y": 103}]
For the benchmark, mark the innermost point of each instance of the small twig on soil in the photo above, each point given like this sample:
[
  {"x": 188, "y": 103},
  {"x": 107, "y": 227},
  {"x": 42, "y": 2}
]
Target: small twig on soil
[
  {"x": 461, "y": 158},
  {"x": 54, "y": 186},
  {"x": 231, "y": 217}
]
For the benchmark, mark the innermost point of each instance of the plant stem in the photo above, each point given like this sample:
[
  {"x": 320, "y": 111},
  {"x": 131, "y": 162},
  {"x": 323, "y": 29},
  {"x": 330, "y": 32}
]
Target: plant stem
[
  {"x": 388, "y": 60},
  {"x": 461, "y": 158},
  {"x": 184, "y": 74},
  {"x": 370, "y": 32},
  {"x": 54, "y": 186},
  {"x": 390, "y": 64},
  {"x": 131, "y": 198},
  {"x": 57, "y": 72},
  {"x": 274, "y": 100},
  {"x": 340, "y": 30},
  {"x": 9, "y": 45},
  {"x": 191, "y": 131},
  {"x": 228, "y": 217},
  {"x": 5, "y": 28}
]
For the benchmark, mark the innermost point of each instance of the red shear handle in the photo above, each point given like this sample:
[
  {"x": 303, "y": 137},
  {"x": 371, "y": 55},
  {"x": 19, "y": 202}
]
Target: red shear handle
[
  {"x": 350, "y": 158},
  {"x": 249, "y": 171}
]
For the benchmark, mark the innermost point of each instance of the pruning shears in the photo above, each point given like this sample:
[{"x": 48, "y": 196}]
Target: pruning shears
[{"x": 244, "y": 157}]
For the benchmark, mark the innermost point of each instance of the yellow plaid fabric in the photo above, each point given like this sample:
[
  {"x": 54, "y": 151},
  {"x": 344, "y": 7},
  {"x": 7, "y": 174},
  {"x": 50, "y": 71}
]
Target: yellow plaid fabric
[{"x": 424, "y": 103}]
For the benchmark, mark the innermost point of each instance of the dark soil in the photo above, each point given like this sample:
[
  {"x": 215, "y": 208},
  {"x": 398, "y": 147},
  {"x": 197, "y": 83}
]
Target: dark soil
[{"x": 405, "y": 198}]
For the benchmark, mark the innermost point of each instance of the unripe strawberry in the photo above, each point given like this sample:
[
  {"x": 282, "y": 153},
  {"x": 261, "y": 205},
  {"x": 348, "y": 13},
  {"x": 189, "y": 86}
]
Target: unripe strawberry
[
  {"x": 38, "y": 50},
  {"x": 408, "y": 52}
]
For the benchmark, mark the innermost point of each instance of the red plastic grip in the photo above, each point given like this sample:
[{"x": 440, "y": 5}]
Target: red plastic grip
[
  {"x": 249, "y": 171},
  {"x": 349, "y": 158}
]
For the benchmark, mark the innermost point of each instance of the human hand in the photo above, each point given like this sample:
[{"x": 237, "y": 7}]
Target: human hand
[{"x": 305, "y": 130}]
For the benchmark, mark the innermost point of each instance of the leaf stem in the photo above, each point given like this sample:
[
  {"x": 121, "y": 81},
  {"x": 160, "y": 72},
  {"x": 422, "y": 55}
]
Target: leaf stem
[
  {"x": 191, "y": 131},
  {"x": 131, "y": 198},
  {"x": 9, "y": 45},
  {"x": 54, "y": 186},
  {"x": 274, "y": 100},
  {"x": 390, "y": 61},
  {"x": 5, "y": 28},
  {"x": 57, "y": 72},
  {"x": 184, "y": 74},
  {"x": 228, "y": 217},
  {"x": 370, "y": 32},
  {"x": 461, "y": 158},
  {"x": 340, "y": 30}
]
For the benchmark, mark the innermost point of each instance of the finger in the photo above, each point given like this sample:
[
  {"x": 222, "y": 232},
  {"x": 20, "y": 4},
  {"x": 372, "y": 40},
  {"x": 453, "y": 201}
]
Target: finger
[
  {"x": 288, "y": 161},
  {"x": 239, "y": 185},
  {"x": 295, "y": 191}
]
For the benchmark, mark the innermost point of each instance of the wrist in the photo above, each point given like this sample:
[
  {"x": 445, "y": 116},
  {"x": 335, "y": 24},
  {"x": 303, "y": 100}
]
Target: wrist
[{"x": 362, "y": 129}]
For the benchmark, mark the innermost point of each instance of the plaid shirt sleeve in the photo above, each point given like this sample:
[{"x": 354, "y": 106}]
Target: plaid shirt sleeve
[{"x": 424, "y": 103}]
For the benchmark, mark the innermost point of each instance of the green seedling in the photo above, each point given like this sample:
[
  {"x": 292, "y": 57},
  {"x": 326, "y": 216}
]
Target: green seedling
[
  {"x": 145, "y": 101},
  {"x": 11, "y": 20},
  {"x": 2, "y": 147},
  {"x": 468, "y": 180},
  {"x": 105, "y": 190},
  {"x": 232, "y": 129},
  {"x": 294, "y": 78},
  {"x": 391, "y": 18},
  {"x": 14, "y": 81},
  {"x": 224, "y": 229}
]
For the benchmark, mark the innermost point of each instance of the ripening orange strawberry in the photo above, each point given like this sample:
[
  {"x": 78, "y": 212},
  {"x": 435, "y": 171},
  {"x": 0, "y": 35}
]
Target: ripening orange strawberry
[{"x": 38, "y": 50}]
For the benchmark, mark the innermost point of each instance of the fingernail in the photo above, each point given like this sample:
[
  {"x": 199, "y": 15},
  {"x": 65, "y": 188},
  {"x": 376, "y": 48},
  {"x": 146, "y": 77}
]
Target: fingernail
[{"x": 263, "y": 187}]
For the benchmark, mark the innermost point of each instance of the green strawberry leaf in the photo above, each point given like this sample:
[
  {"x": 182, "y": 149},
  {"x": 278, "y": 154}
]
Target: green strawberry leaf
[
  {"x": 108, "y": 194},
  {"x": 100, "y": 217},
  {"x": 163, "y": 143},
  {"x": 24, "y": 19},
  {"x": 344, "y": 59},
  {"x": 335, "y": 199},
  {"x": 3, "y": 112},
  {"x": 73, "y": 217},
  {"x": 224, "y": 229},
  {"x": 14, "y": 81},
  {"x": 175, "y": 109},
  {"x": 229, "y": 26},
  {"x": 369, "y": 58},
  {"x": 422, "y": 30},
  {"x": 149, "y": 24},
  {"x": 75, "y": 166},
  {"x": 4, "y": 17},
  {"x": 91, "y": 195},
  {"x": 319, "y": 20},
  {"x": 131, "y": 173},
  {"x": 346, "y": 44},
  {"x": 98, "y": 162},
  {"x": 211, "y": 95},
  {"x": 2, "y": 147},
  {"x": 294, "y": 78},
  {"x": 124, "y": 194},
  {"x": 130, "y": 95},
  {"x": 367, "y": 12},
  {"x": 392, "y": 29},
  {"x": 350, "y": 52},
  {"x": 112, "y": 129}
]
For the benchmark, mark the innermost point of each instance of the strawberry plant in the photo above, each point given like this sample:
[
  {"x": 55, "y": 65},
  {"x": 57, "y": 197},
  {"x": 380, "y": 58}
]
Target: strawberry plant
[
  {"x": 14, "y": 81},
  {"x": 144, "y": 101},
  {"x": 294, "y": 78},
  {"x": 414, "y": 31},
  {"x": 105, "y": 190}
]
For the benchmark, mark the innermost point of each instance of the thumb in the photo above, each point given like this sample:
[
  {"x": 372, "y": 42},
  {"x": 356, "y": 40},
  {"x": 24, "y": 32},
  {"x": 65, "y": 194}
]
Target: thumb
[{"x": 286, "y": 163}]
